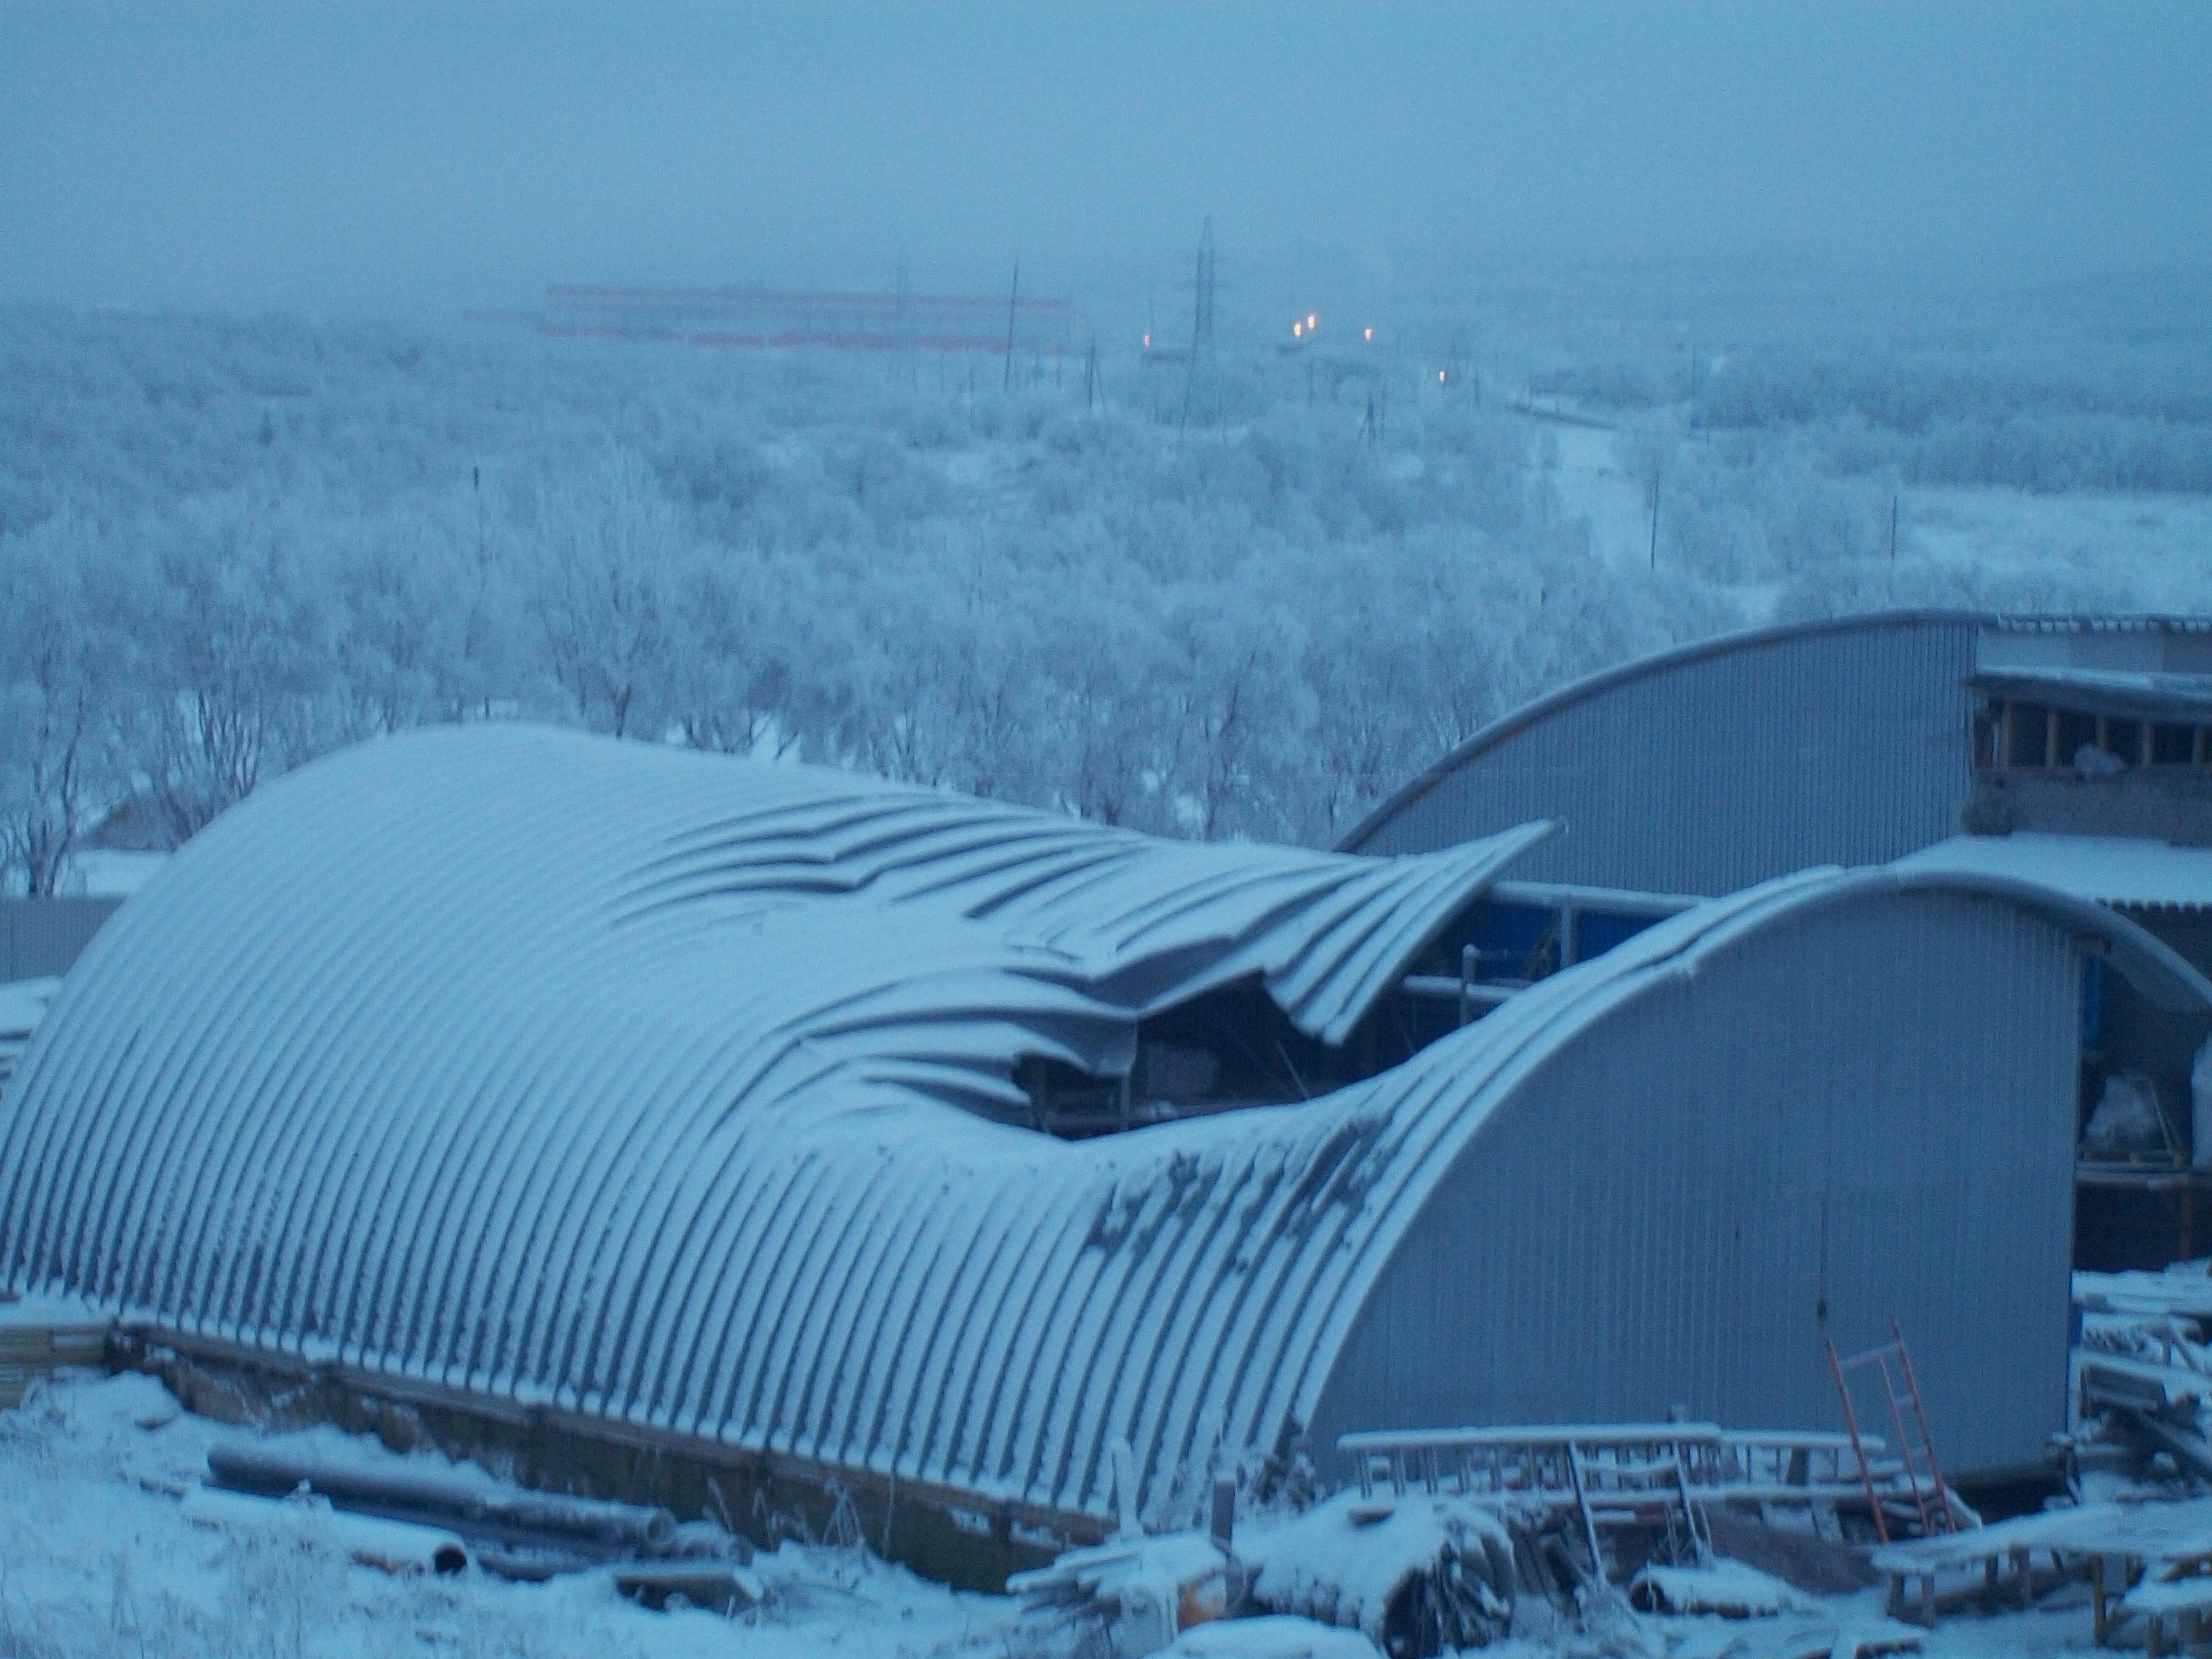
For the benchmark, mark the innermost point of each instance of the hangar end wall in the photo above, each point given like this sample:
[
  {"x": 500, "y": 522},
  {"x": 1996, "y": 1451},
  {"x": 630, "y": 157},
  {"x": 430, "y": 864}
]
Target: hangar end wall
[{"x": 1864, "y": 1112}]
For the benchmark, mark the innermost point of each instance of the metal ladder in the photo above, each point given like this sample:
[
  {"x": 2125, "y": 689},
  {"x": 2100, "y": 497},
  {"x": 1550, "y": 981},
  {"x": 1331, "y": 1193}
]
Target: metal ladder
[
  {"x": 1608, "y": 1494},
  {"x": 1915, "y": 1451}
]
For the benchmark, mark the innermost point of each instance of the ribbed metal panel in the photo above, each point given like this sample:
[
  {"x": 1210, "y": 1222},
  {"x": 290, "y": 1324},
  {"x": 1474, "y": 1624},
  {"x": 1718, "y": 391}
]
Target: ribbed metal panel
[
  {"x": 41, "y": 937},
  {"x": 516, "y": 1064},
  {"x": 1851, "y": 1113},
  {"x": 1708, "y": 769},
  {"x": 622, "y": 1079}
]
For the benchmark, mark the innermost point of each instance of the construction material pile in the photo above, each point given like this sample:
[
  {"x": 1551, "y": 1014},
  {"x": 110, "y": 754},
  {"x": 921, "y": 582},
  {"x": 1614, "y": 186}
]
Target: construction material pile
[
  {"x": 1456, "y": 1539},
  {"x": 2144, "y": 1374}
]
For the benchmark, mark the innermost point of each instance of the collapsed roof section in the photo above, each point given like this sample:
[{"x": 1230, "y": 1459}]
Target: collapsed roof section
[{"x": 1129, "y": 924}]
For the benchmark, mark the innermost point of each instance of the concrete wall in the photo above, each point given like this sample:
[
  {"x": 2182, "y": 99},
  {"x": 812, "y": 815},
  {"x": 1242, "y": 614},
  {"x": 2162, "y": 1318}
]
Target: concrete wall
[
  {"x": 1864, "y": 1112},
  {"x": 2154, "y": 804}
]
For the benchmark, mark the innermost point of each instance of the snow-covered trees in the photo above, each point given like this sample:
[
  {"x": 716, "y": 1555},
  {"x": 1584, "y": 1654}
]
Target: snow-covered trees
[
  {"x": 237, "y": 631},
  {"x": 227, "y": 545},
  {"x": 608, "y": 574},
  {"x": 65, "y": 654}
]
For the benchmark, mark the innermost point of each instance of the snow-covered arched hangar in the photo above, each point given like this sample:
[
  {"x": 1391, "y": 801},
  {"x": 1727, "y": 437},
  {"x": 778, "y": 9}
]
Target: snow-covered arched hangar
[{"x": 677, "y": 1103}]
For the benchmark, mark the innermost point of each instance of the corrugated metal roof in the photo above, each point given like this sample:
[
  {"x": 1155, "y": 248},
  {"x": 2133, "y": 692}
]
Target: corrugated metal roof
[
  {"x": 1145, "y": 922},
  {"x": 1625, "y": 677},
  {"x": 1732, "y": 762},
  {"x": 2104, "y": 869},
  {"x": 619, "y": 1082}
]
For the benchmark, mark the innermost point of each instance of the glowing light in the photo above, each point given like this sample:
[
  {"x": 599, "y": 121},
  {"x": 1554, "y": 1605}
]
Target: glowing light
[
  {"x": 1440, "y": 377},
  {"x": 1297, "y": 329},
  {"x": 1312, "y": 320},
  {"x": 1370, "y": 333},
  {"x": 1148, "y": 343}
]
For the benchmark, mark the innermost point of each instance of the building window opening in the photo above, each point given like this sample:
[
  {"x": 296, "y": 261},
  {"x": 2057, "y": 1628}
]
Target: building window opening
[
  {"x": 2123, "y": 740},
  {"x": 2027, "y": 726},
  {"x": 2172, "y": 746},
  {"x": 2075, "y": 733}
]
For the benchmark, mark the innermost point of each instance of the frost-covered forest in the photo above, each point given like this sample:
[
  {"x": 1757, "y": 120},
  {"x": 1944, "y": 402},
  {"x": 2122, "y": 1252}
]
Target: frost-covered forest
[{"x": 1246, "y": 599}]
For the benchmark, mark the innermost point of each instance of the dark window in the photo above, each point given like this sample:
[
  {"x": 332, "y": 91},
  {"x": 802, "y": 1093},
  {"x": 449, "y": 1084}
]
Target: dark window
[
  {"x": 2031, "y": 735},
  {"x": 2073, "y": 731},
  {"x": 2125, "y": 739},
  {"x": 1985, "y": 740},
  {"x": 2172, "y": 746}
]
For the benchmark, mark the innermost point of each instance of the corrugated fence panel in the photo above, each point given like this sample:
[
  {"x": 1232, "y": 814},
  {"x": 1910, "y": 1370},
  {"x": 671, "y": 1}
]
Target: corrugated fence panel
[
  {"x": 39, "y": 937},
  {"x": 1710, "y": 769}
]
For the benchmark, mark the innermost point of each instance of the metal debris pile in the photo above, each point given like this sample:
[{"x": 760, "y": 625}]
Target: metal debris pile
[{"x": 1457, "y": 1539}]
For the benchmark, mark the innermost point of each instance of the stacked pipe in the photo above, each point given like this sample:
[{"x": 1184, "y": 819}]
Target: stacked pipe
[{"x": 511, "y": 1531}]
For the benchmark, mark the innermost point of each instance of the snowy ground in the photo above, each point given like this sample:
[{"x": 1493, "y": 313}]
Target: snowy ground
[
  {"x": 97, "y": 1559},
  {"x": 1592, "y": 486},
  {"x": 2163, "y": 538},
  {"x": 2157, "y": 547}
]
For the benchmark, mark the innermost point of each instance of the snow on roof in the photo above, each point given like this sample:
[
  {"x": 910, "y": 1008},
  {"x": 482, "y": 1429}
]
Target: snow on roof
[
  {"x": 2143, "y": 694},
  {"x": 2100, "y": 623},
  {"x": 510, "y": 1067},
  {"x": 617, "y": 1078},
  {"x": 2103, "y": 869}
]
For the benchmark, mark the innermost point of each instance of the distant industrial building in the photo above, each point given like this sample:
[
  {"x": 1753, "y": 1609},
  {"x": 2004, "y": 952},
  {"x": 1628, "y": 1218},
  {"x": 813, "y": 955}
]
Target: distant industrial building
[
  {"x": 757, "y": 1123},
  {"x": 791, "y": 319}
]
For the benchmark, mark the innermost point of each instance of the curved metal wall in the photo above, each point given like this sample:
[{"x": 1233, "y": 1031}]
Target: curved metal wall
[
  {"x": 1852, "y": 1113},
  {"x": 1732, "y": 762},
  {"x": 626, "y": 1083}
]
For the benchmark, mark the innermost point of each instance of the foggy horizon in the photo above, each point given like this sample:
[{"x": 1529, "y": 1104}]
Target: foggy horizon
[{"x": 413, "y": 159}]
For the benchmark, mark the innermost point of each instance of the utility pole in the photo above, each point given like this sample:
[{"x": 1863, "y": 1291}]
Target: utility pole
[
  {"x": 1202, "y": 319},
  {"x": 903, "y": 359},
  {"x": 1654, "y": 515},
  {"x": 1893, "y": 526},
  {"x": 1091, "y": 373},
  {"x": 1201, "y": 327},
  {"x": 1013, "y": 300}
]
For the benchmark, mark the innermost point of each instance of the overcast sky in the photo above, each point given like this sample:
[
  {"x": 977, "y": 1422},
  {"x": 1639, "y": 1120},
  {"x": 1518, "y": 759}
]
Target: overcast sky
[{"x": 399, "y": 156}]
